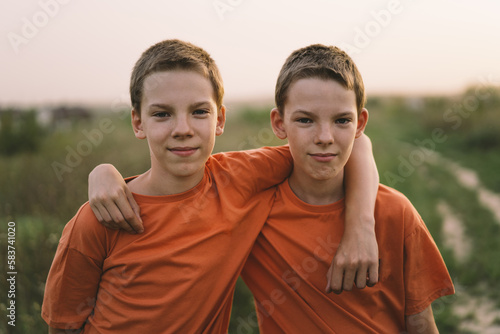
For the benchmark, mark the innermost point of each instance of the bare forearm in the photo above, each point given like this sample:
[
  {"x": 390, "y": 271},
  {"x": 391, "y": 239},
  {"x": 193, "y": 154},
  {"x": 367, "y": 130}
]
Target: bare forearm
[
  {"x": 422, "y": 323},
  {"x": 356, "y": 259},
  {"x": 361, "y": 182}
]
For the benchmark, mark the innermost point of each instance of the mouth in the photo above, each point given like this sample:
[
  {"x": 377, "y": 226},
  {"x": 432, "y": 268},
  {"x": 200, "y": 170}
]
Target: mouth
[
  {"x": 183, "y": 151},
  {"x": 323, "y": 157}
]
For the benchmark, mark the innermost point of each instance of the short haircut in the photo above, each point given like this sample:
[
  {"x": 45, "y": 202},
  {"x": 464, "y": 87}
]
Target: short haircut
[
  {"x": 170, "y": 55},
  {"x": 322, "y": 62}
]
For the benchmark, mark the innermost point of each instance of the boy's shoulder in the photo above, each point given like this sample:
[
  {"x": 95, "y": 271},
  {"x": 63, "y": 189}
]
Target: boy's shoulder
[
  {"x": 270, "y": 152},
  {"x": 388, "y": 196},
  {"x": 83, "y": 229},
  {"x": 394, "y": 210},
  {"x": 84, "y": 218},
  {"x": 259, "y": 168}
]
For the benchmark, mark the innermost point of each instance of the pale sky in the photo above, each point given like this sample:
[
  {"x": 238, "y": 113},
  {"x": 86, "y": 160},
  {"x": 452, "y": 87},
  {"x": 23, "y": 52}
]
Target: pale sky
[{"x": 75, "y": 51}]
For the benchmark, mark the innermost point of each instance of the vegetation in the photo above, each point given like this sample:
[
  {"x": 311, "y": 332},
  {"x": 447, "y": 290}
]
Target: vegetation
[
  {"x": 19, "y": 132},
  {"x": 44, "y": 181}
]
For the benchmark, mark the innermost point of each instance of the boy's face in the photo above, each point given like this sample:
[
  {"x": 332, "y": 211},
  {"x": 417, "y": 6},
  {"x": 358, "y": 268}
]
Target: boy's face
[
  {"x": 180, "y": 120},
  {"x": 321, "y": 122}
]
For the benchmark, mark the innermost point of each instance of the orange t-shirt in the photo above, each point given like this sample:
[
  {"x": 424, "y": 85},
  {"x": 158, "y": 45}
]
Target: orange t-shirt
[
  {"x": 286, "y": 270},
  {"x": 179, "y": 275}
]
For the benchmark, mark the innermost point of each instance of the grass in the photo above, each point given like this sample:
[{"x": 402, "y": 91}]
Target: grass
[{"x": 41, "y": 203}]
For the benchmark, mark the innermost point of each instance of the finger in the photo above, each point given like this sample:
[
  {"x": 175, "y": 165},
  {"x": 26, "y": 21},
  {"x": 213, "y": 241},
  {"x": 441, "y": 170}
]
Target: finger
[
  {"x": 117, "y": 218},
  {"x": 328, "y": 280},
  {"x": 337, "y": 279},
  {"x": 349, "y": 275},
  {"x": 136, "y": 221},
  {"x": 124, "y": 225},
  {"x": 126, "y": 216},
  {"x": 373, "y": 272},
  {"x": 107, "y": 221},
  {"x": 101, "y": 213},
  {"x": 97, "y": 213},
  {"x": 361, "y": 277},
  {"x": 119, "y": 221},
  {"x": 118, "y": 209}
]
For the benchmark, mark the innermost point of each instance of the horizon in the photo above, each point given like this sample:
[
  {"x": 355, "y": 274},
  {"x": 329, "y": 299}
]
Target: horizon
[
  {"x": 68, "y": 52},
  {"x": 254, "y": 101}
]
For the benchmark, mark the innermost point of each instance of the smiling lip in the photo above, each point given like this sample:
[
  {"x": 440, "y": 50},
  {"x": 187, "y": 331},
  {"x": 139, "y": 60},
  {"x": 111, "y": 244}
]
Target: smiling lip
[
  {"x": 323, "y": 157},
  {"x": 183, "y": 151}
]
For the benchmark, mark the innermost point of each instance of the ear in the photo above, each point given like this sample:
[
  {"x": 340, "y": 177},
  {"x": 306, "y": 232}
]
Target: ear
[
  {"x": 221, "y": 121},
  {"x": 362, "y": 120},
  {"x": 277, "y": 123},
  {"x": 137, "y": 124}
]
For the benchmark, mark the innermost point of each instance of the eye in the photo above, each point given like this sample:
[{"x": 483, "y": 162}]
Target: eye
[
  {"x": 161, "y": 114},
  {"x": 343, "y": 121},
  {"x": 304, "y": 120},
  {"x": 200, "y": 112}
]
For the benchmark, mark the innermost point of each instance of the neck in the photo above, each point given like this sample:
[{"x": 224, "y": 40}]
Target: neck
[
  {"x": 158, "y": 183},
  {"x": 317, "y": 192}
]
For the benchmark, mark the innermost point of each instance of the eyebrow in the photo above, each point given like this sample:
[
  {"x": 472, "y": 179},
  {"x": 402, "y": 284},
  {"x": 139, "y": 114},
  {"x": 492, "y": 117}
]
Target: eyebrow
[
  {"x": 308, "y": 113},
  {"x": 201, "y": 103},
  {"x": 311, "y": 114},
  {"x": 346, "y": 114},
  {"x": 165, "y": 107},
  {"x": 168, "y": 107}
]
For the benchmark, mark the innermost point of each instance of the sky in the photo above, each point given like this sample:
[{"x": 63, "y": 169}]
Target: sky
[{"x": 75, "y": 51}]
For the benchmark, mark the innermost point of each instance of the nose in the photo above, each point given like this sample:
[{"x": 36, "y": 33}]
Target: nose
[
  {"x": 324, "y": 135},
  {"x": 182, "y": 127}
]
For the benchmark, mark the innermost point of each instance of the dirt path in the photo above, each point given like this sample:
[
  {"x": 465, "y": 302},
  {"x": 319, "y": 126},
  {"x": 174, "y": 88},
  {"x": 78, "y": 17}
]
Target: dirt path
[
  {"x": 468, "y": 179},
  {"x": 454, "y": 236},
  {"x": 480, "y": 314}
]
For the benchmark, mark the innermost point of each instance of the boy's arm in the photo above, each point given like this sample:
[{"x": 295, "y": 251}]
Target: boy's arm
[
  {"x": 111, "y": 200},
  {"x": 356, "y": 259},
  {"x": 421, "y": 323},
  {"x": 75, "y": 274},
  {"x": 251, "y": 171}
]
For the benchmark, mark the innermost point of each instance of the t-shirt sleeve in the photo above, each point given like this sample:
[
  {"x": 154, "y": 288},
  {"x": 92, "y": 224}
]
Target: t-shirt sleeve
[
  {"x": 73, "y": 280},
  {"x": 425, "y": 273},
  {"x": 253, "y": 171}
]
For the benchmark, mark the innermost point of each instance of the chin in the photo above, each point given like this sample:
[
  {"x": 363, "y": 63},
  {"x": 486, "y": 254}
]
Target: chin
[
  {"x": 187, "y": 170},
  {"x": 322, "y": 177},
  {"x": 323, "y": 174}
]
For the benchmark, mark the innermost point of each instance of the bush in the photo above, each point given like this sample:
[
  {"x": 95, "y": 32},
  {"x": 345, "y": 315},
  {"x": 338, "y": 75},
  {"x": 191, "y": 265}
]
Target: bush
[{"x": 19, "y": 132}]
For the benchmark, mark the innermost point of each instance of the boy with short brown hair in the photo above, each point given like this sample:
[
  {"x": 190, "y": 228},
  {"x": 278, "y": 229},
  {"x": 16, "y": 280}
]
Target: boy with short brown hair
[
  {"x": 179, "y": 275},
  {"x": 320, "y": 100}
]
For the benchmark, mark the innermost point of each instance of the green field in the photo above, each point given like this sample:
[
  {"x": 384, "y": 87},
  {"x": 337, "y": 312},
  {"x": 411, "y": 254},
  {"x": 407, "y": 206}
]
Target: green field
[{"x": 442, "y": 152}]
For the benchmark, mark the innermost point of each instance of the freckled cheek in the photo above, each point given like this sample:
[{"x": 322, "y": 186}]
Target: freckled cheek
[
  {"x": 303, "y": 140},
  {"x": 346, "y": 140},
  {"x": 208, "y": 134},
  {"x": 159, "y": 134}
]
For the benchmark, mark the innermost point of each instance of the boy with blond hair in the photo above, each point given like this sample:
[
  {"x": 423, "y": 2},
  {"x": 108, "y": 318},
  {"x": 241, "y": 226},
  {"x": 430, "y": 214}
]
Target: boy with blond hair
[
  {"x": 320, "y": 110},
  {"x": 201, "y": 212}
]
